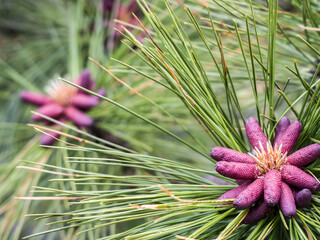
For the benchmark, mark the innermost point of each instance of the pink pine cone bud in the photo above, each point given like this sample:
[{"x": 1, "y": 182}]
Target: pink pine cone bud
[
  {"x": 237, "y": 170},
  {"x": 268, "y": 181},
  {"x": 101, "y": 92},
  {"x": 272, "y": 187},
  {"x": 48, "y": 140},
  {"x": 305, "y": 156},
  {"x": 34, "y": 98},
  {"x": 52, "y": 110},
  {"x": 233, "y": 193},
  {"x": 257, "y": 212},
  {"x": 250, "y": 195},
  {"x": 289, "y": 138},
  {"x": 229, "y": 155},
  {"x": 84, "y": 101},
  {"x": 85, "y": 81},
  {"x": 78, "y": 117},
  {"x": 281, "y": 128},
  {"x": 255, "y": 134},
  {"x": 303, "y": 198},
  {"x": 296, "y": 177},
  {"x": 241, "y": 181},
  {"x": 287, "y": 203}
]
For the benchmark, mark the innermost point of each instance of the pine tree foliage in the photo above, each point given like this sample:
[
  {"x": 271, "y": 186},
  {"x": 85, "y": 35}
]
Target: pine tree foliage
[{"x": 217, "y": 68}]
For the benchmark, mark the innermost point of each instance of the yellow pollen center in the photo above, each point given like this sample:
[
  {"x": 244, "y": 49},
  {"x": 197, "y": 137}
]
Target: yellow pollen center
[
  {"x": 60, "y": 92},
  {"x": 272, "y": 159}
]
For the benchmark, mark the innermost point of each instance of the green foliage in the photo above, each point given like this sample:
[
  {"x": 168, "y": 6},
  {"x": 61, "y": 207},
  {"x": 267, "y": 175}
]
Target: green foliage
[{"x": 222, "y": 71}]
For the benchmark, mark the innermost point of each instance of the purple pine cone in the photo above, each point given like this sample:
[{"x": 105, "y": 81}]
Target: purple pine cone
[
  {"x": 305, "y": 156},
  {"x": 287, "y": 203},
  {"x": 233, "y": 193},
  {"x": 257, "y": 212},
  {"x": 85, "y": 81},
  {"x": 229, "y": 155},
  {"x": 289, "y": 138},
  {"x": 272, "y": 187},
  {"x": 237, "y": 170},
  {"x": 101, "y": 92},
  {"x": 84, "y": 101},
  {"x": 241, "y": 181},
  {"x": 250, "y": 195},
  {"x": 48, "y": 140},
  {"x": 303, "y": 198},
  {"x": 65, "y": 102},
  {"x": 296, "y": 177},
  {"x": 255, "y": 134},
  {"x": 34, "y": 98},
  {"x": 271, "y": 172},
  {"x": 281, "y": 128},
  {"x": 53, "y": 110},
  {"x": 78, "y": 117}
]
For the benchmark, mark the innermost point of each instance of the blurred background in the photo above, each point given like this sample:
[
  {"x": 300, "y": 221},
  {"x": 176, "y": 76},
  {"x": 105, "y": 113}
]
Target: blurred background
[{"x": 41, "y": 41}]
